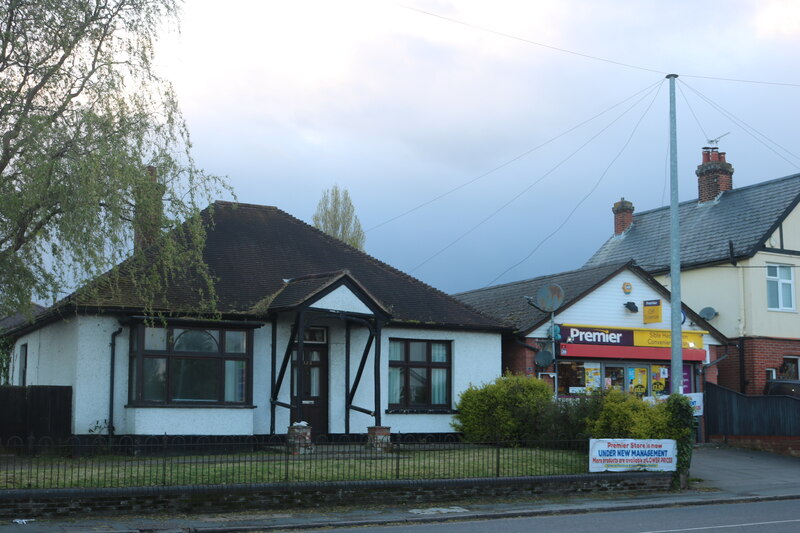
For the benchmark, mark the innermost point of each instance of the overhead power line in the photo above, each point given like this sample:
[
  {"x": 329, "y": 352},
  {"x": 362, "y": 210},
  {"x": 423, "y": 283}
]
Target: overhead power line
[
  {"x": 528, "y": 41},
  {"x": 580, "y": 54},
  {"x": 654, "y": 88},
  {"x": 513, "y": 159},
  {"x": 586, "y": 197}
]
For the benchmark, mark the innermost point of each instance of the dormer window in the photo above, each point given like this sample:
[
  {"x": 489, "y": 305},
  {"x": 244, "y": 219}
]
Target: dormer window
[{"x": 780, "y": 288}]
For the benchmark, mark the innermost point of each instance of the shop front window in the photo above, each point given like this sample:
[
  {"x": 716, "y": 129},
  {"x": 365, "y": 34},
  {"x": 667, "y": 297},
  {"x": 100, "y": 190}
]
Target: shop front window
[
  {"x": 614, "y": 378},
  {"x": 641, "y": 379},
  {"x": 659, "y": 380},
  {"x": 571, "y": 378},
  {"x": 637, "y": 380}
]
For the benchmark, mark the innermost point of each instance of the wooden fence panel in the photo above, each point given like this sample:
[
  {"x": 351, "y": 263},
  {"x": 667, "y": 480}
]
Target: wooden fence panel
[
  {"x": 37, "y": 411},
  {"x": 728, "y": 412}
]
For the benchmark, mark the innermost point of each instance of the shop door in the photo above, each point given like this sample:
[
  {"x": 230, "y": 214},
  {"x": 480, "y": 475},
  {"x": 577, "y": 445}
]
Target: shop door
[{"x": 313, "y": 400}]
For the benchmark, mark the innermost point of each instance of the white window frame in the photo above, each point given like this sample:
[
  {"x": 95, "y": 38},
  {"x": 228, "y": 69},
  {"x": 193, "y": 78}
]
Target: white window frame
[{"x": 780, "y": 282}]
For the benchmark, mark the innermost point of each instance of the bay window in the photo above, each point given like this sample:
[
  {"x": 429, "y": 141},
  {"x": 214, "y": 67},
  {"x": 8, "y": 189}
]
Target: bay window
[{"x": 190, "y": 366}]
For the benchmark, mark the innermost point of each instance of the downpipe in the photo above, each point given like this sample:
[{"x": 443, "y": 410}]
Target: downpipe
[{"x": 113, "y": 345}]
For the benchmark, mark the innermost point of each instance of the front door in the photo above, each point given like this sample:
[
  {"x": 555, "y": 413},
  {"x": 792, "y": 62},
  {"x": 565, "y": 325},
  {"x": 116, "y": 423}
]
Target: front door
[{"x": 311, "y": 404}]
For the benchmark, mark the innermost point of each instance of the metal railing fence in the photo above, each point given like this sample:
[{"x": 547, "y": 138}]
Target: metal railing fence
[{"x": 177, "y": 461}]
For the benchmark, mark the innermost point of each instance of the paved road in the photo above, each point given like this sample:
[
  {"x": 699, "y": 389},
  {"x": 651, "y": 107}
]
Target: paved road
[
  {"x": 729, "y": 476},
  {"x": 758, "y": 517}
]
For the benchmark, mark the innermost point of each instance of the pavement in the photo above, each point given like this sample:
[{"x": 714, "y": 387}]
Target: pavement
[{"x": 719, "y": 474}]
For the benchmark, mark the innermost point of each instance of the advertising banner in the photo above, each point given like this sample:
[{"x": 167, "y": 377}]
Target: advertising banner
[{"x": 624, "y": 455}]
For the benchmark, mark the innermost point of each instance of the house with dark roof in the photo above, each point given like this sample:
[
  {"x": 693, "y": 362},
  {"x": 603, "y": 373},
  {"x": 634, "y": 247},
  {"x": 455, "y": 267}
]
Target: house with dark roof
[
  {"x": 609, "y": 330},
  {"x": 739, "y": 253},
  {"x": 309, "y": 329}
]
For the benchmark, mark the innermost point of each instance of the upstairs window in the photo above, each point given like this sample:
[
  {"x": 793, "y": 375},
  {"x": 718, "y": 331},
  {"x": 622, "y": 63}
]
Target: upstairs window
[{"x": 780, "y": 288}]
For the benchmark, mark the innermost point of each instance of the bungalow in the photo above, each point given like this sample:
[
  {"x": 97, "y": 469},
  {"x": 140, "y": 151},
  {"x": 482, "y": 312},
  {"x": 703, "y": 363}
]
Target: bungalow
[{"x": 309, "y": 329}]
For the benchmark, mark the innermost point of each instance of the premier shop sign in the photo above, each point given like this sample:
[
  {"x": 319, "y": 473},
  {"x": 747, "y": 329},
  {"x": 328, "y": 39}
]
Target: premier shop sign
[{"x": 623, "y": 455}]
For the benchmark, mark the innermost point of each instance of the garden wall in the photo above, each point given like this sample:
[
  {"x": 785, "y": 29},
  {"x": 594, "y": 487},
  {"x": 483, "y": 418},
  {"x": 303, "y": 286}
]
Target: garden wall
[{"x": 280, "y": 496}]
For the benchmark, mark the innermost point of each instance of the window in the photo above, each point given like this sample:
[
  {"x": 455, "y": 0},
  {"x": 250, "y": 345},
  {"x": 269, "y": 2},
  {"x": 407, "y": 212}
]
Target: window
[
  {"x": 23, "y": 364},
  {"x": 184, "y": 365},
  {"x": 780, "y": 287},
  {"x": 639, "y": 378},
  {"x": 789, "y": 368},
  {"x": 419, "y": 374}
]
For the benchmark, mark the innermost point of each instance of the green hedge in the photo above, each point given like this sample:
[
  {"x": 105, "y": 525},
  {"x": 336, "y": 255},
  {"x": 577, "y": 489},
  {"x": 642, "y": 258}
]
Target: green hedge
[
  {"x": 522, "y": 409},
  {"x": 519, "y": 408}
]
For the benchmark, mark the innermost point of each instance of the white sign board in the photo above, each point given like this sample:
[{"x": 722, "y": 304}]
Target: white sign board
[
  {"x": 697, "y": 402},
  {"x": 696, "y": 398},
  {"x": 623, "y": 455}
]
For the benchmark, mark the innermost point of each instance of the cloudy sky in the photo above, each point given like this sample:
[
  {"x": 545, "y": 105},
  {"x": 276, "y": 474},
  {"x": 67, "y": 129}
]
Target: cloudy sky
[{"x": 483, "y": 142}]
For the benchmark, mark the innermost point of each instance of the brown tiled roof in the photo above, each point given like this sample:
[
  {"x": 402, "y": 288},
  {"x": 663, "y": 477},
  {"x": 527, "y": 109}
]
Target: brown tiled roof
[
  {"x": 255, "y": 252},
  {"x": 252, "y": 249}
]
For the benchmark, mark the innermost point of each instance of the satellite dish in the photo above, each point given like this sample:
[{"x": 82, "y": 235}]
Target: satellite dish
[
  {"x": 707, "y": 313},
  {"x": 544, "y": 358},
  {"x": 548, "y": 298}
]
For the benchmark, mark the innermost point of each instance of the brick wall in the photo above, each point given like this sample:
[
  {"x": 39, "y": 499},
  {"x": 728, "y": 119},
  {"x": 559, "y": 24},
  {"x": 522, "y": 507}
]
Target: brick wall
[
  {"x": 760, "y": 353},
  {"x": 517, "y": 359},
  {"x": 774, "y": 444},
  {"x": 85, "y": 502}
]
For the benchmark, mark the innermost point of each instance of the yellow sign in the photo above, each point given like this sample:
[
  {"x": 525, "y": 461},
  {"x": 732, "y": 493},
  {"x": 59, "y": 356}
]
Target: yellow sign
[
  {"x": 652, "y": 311},
  {"x": 660, "y": 338}
]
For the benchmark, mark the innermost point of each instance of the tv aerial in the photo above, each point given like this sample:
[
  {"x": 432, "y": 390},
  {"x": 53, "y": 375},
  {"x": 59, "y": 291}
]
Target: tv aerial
[{"x": 714, "y": 142}]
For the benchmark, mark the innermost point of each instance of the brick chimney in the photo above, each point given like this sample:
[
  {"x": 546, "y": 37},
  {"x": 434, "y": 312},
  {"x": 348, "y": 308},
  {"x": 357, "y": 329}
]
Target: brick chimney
[
  {"x": 714, "y": 175},
  {"x": 148, "y": 211},
  {"x": 623, "y": 216}
]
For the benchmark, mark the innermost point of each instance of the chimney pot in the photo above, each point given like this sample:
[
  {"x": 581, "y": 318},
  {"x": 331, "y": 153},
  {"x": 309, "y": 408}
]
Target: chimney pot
[
  {"x": 623, "y": 216},
  {"x": 714, "y": 175}
]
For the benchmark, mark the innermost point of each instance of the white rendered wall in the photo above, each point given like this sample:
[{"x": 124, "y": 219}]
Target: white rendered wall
[
  {"x": 51, "y": 355},
  {"x": 476, "y": 360},
  {"x": 342, "y": 299},
  {"x": 90, "y": 394},
  {"x": 760, "y": 320},
  {"x": 791, "y": 233},
  {"x": 262, "y": 356},
  {"x": 190, "y": 421},
  {"x": 719, "y": 288},
  {"x": 77, "y": 352}
]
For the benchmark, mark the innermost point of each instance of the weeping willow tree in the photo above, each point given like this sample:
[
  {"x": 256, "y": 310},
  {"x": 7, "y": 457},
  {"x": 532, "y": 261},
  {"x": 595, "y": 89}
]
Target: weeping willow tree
[
  {"x": 336, "y": 216},
  {"x": 83, "y": 116}
]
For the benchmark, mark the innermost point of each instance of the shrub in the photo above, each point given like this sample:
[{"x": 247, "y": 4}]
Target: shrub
[
  {"x": 511, "y": 408},
  {"x": 626, "y": 416},
  {"x": 573, "y": 416},
  {"x": 680, "y": 425}
]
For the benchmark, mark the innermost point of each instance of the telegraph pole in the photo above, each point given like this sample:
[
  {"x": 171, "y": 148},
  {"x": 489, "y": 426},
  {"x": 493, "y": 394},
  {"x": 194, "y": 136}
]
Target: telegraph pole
[{"x": 676, "y": 367}]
